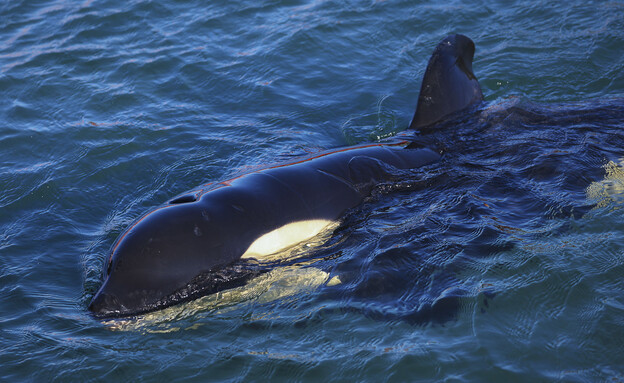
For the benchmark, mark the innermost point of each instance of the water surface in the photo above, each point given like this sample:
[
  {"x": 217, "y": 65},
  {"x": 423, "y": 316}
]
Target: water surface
[{"x": 502, "y": 262}]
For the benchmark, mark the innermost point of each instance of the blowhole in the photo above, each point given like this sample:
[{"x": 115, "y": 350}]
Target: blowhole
[{"x": 183, "y": 199}]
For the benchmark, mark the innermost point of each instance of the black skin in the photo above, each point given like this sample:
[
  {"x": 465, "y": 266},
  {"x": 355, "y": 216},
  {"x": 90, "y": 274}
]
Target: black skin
[
  {"x": 189, "y": 247},
  {"x": 449, "y": 84}
]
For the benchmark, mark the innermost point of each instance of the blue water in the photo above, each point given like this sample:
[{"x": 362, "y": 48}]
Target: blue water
[{"x": 503, "y": 262}]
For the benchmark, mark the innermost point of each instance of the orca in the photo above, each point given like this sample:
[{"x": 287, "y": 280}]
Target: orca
[{"x": 198, "y": 243}]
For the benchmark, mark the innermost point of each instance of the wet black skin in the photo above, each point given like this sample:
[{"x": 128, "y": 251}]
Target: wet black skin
[
  {"x": 190, "y": 246},
  {"x": 449, "y": 84},
  {"x": 208, "y": 230}
]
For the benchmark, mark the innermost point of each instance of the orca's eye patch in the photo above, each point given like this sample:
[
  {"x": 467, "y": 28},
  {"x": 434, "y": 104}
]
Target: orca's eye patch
[{"x": 183, "y": 199}]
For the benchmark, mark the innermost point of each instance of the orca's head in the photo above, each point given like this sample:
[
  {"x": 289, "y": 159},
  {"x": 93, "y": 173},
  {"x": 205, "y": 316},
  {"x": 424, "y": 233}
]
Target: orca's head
[
  {"x": 152, "y": 262},
  {"x": 449, "y": 84}
]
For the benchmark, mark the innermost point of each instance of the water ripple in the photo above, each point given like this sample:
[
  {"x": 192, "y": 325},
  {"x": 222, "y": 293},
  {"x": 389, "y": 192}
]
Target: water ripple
[{"x": 502, "y": 262}]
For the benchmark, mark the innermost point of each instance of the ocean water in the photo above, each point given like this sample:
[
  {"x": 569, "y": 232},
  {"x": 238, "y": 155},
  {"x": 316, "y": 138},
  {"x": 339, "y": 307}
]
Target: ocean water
[{"x": 502, "y": 262}]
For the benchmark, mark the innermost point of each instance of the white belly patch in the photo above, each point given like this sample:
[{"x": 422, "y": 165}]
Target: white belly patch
[{"x": 287, "y": 236}]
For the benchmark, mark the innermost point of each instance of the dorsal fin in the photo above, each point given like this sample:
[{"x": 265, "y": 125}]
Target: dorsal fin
[{"x": 449, "y": 85}]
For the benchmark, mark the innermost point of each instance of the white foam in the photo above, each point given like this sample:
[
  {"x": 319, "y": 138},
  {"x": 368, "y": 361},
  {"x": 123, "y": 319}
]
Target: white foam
[{"x": 610, "y": 190}]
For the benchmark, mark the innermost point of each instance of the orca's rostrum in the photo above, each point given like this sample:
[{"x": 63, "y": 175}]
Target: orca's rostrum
[{"x": 193, "y": 245}]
